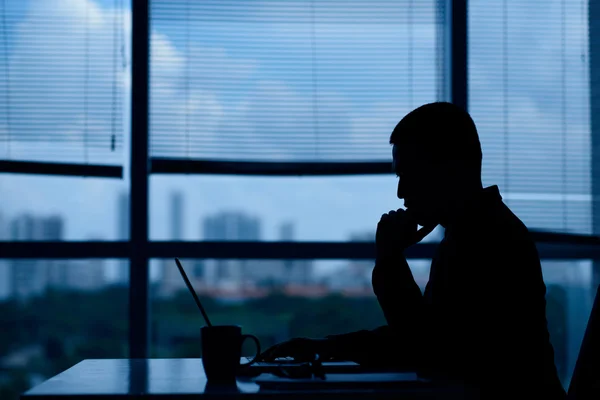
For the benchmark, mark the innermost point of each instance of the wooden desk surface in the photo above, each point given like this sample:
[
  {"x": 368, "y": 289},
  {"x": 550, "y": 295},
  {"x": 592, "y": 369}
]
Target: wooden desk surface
[{"x": 185, "y": 379}]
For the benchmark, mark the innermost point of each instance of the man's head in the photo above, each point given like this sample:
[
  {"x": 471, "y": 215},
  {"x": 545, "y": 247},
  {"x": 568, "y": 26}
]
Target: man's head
[{"x": 437, "y": 157}]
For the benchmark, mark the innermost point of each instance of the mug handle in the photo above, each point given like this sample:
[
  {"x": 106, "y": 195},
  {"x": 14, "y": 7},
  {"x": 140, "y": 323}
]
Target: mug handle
[{"x": 244, "y": 337}]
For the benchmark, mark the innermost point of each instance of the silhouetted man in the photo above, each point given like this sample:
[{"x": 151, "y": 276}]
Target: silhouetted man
[{"x": 482, "y": 317}]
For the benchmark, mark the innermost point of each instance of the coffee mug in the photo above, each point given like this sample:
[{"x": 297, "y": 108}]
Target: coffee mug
[{"x": 222, "y": 351}]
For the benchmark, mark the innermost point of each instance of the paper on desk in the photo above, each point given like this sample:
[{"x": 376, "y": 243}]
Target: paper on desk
[{"x": 366, "y": 380}]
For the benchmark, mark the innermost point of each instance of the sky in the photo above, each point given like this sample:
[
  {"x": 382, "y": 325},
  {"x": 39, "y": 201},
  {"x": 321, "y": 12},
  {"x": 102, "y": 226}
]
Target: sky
[{"x": 224, "y": 86}]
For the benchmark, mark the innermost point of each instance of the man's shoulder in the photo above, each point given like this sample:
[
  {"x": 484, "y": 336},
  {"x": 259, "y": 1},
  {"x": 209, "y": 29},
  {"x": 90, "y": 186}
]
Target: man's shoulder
[
  {"x": 497, "y": 227},
  {"x": 508, "y": 239},
  {"x": 498, "y": 217}
]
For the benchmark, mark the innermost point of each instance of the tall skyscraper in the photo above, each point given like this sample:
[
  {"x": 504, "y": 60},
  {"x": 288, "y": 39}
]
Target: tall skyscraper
[
  {"x": 232, "y": 226},
  {"x": 286, "y": 232},
  {"x": 176, "y": 222},
  {"x": 123, "y": 216},
  {"x": 122, "y": 277},
  {"x": 52, "y": 228},
  {"x": 56, "y": 270},
  {"x": 171, "y": 280},
  {"x": 31, "y": 277}
]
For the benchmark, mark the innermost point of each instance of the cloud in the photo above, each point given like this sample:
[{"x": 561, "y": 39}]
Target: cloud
[
  {"x": 187, "y": 109},
  {"x": 275, "y": 122}
]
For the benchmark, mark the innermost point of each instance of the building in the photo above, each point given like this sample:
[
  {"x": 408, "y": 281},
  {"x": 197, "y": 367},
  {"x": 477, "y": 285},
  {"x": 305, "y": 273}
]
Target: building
[
  {"x": 249, "y": 275},
  {"x": 31, "y": 277},
  {"x": 231, "y": 226},
  {"x": 122, "y": 273},
  {"x": 295, "y": 272},
  {"x": 176, "y": 211},
  {"x": 171, "y": 280},
  {"x": 56, "y": 270}
]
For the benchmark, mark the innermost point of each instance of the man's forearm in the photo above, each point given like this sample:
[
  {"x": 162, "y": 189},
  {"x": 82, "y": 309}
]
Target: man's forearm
[
  {"x": 398, "y": 294},
  {"x": 401, "y": 302}
]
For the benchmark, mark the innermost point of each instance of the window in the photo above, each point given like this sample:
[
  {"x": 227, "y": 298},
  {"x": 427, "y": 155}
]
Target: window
[
  {"x": 272, "y": 299},
  {"x": 283, "y": 91},
  {"x": 56, "y": 313},
  {"x": 63, "y": 74},
  {"x": 64, "y": 79},
  {"x": 284, "y": 82},
  {"x": 569, "y": 298},
  {"x": 288, "y": 81},
  {"x": 529, "y": 96},
  {"x": 280, "y": 299},
  {"x": 91, "y": 209}
]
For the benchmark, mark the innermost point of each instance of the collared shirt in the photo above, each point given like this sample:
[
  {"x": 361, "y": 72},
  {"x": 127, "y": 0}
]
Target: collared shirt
[
  {"x": 482, "y": 317},
  {"x": 485, "y": 298}
]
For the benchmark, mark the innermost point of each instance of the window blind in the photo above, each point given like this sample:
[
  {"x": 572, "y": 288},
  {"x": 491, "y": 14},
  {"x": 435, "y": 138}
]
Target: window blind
[
  {"x": 62, "y": 81},
  {"x": 529, "y": 96},
  {"x": 289, "y": 81}
]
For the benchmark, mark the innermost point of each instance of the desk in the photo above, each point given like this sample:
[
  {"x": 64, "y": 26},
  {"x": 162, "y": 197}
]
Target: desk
[{"x": 185, "y": 379}]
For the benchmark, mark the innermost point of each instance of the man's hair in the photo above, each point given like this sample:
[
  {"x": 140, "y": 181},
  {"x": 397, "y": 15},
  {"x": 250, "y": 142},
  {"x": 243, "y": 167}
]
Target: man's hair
[{"x": 440, "y": 132}]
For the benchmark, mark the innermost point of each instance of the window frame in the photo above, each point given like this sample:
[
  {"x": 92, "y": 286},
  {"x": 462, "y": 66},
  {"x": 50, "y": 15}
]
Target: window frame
[
  {"x": 139, "y": 249},
  {"x": 61, "y": 169}
]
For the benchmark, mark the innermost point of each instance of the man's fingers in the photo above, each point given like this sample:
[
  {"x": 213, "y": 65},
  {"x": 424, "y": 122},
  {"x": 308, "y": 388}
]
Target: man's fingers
[
  {"x": 285, "y": 349},
  {"x": 271, "y": 353},
  {"x": 389, "y": 216}
]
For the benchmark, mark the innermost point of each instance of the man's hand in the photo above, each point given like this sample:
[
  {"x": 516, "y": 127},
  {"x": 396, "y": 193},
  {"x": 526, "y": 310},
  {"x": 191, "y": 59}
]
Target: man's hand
[
  {"x": 301, "y": 349},
  {"x": 396, "y": 231}
]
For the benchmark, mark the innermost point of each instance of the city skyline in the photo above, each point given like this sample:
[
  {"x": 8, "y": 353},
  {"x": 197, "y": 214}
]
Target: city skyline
[{"x": 226, "y": 225}]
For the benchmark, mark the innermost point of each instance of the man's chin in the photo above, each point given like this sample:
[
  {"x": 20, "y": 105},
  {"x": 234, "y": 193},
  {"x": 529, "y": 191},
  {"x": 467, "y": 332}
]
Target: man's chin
[{"x": 422, "y": 218}]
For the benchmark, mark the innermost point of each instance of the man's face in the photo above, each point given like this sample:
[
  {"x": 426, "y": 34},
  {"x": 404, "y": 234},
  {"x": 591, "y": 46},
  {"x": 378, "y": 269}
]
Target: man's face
[{"x": 420, "y": 185}]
